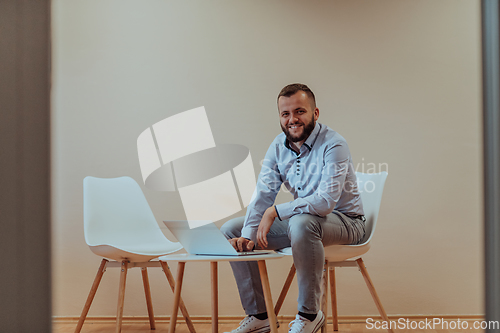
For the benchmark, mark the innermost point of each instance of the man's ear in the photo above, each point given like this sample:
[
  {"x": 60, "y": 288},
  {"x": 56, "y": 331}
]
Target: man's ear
[{"x": 316, "y": 114}]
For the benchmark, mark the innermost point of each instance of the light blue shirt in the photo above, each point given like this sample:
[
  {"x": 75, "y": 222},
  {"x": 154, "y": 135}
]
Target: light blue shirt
[{"x": 321, "y": 178}]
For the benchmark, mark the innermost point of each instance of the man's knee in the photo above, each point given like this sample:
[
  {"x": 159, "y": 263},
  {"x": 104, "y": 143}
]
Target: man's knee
[
  {"x": 232, "y": 228},
  {"x": 304, "y": 226}
]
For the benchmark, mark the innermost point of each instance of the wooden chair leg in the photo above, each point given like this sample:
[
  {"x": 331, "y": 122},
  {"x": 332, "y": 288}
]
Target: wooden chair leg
[
  {"x": 333, "y": 296},
  {"x": 284, "y": 290},
  {"x": 171, "y": 281},
  {"x": 177, "y": 296},
  {"x": 266, "y": 288},
  {"x": 90, "y": 298},
  {"x": 371, "y": 287},
  {"x": 324, "y": 298},
  {"x": 121, "y": 296},
  {"x": 147, "y": 292},
  {"x": 215, "y": 297}
]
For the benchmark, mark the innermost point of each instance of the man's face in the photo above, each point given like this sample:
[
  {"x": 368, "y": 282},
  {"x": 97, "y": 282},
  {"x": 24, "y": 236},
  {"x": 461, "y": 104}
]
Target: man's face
[{"x": 297, "y": 116}]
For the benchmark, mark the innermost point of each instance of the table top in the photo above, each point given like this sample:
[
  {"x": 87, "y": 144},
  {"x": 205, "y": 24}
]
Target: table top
[{"x": 198, "y": 257}]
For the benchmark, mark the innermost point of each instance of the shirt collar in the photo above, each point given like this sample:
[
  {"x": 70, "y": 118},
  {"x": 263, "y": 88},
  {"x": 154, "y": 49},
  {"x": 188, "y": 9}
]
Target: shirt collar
[
  {"x": 310, "y": 140},
  {"x": 313, "y": 136}
]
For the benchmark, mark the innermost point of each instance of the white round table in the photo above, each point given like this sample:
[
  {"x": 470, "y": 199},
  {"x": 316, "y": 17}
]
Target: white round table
[{"x": 185, "y": 257}]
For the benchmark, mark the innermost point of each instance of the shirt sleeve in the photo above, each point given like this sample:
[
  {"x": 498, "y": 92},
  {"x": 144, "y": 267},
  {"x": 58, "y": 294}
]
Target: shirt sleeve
[
  {"x": 333, "y": 174},
  {"x": 268, "y": 186}
]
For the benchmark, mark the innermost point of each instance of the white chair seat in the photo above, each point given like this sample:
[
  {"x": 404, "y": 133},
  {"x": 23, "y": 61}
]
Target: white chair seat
[
  {"x": 336, "y": 253},
  {"x": 135, "y": 252}
]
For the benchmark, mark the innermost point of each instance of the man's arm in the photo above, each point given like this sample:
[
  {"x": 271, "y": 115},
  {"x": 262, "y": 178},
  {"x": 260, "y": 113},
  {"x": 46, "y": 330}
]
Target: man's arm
[
  {"x": 268, "y": 186},
  {"x": 265, "y": 225}
]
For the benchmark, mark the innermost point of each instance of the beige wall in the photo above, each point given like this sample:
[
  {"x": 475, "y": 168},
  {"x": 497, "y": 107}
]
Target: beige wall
[{"x": 400, "y": 80}]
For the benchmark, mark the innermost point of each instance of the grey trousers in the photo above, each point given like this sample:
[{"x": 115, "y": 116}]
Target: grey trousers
[{"x": 306, "y": 234}]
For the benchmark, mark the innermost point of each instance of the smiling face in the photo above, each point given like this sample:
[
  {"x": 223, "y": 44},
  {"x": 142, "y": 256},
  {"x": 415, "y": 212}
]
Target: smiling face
[{"x": 297, "y": 117}]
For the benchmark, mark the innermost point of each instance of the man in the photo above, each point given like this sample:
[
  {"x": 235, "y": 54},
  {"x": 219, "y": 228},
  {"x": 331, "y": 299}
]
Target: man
[{"x": 314, "y": 163}]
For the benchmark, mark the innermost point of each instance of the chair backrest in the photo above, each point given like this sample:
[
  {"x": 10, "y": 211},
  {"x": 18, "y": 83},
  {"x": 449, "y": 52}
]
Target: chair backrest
[
  {"x": 115, "y": 212},
  {"x": 371, "y": 186}
]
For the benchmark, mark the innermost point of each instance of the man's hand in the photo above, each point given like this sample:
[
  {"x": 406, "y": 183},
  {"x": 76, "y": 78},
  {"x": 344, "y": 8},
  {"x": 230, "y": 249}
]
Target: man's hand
[
  {"x": 242, "y": 244},
  {"x": 265, "y": 225}
]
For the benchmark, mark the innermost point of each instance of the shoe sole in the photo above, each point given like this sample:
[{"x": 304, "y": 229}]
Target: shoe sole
[{"x": 263, "y": 329}]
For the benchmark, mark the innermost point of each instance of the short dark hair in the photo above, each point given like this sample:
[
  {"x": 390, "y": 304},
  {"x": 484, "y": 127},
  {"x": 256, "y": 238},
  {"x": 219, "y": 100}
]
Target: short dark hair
[{"x": 293, "y": 88}]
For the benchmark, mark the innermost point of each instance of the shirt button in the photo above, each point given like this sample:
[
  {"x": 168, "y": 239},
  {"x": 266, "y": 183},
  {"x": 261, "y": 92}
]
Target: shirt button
[
  {"x": 298, "y": 174},
  {"x": 299, "y": 188}
]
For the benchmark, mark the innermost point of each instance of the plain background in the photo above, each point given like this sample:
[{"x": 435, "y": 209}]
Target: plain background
[{"x": 400, "y": 80}]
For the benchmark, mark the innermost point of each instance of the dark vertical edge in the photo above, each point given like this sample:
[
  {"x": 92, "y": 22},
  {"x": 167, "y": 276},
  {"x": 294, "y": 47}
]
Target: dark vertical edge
[
  {"x": 9, "y": 285},
  {"x": 35, "y": 171},
  {"x": 25, "y": 280},
  {"x": 491, "y": 90}
]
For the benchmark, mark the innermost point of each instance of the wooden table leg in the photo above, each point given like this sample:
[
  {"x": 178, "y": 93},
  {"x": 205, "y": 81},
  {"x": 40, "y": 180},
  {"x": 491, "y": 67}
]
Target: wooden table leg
[
  {"x": 215, "y": 297},
  {"x": 177, "y": 296},
  {"x": 171, "y": 282},
  {"x": 267, "y": 295}
]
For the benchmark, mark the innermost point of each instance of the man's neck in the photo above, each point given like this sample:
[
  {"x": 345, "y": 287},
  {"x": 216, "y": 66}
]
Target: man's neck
[{"x": 296, "y": 145}]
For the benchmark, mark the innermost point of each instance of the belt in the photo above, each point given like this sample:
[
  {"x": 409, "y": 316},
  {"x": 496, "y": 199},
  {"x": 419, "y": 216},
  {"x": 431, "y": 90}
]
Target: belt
[{"x": 358, "y": 217}]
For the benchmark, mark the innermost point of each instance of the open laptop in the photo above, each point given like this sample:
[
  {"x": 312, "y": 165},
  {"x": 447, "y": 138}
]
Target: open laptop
[{"x": 206, "y": 239}]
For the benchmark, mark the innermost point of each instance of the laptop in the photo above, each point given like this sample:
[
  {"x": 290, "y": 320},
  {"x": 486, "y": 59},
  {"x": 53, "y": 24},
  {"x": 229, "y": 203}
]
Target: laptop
[{"x": 205, "y": 239}]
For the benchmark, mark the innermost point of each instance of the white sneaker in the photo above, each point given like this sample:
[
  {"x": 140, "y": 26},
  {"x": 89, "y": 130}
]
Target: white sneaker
[
  {"x": 253, "y": 325},
  {"x": 303, "y": 325}
]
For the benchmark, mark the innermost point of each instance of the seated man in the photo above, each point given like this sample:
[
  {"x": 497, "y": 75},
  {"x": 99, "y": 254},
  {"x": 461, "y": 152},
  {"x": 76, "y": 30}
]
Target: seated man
[{"x": 314, "y": 163}]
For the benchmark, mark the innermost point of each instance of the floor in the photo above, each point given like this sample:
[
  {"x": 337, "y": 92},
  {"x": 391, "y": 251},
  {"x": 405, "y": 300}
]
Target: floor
[{"x": 162, "y": 327}]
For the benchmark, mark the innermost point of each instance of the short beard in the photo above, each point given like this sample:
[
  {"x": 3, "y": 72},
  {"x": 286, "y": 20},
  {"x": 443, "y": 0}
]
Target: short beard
[{"x": 308, "y": 128}]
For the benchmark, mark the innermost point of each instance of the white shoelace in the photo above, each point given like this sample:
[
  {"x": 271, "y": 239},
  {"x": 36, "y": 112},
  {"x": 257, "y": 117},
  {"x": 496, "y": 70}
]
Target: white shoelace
[
  {"x": 251, "y": 320},
  {"x": 297, "y": 325},
  {"x": 243, "y": 323},
  {"x": 247, "y": 320}
]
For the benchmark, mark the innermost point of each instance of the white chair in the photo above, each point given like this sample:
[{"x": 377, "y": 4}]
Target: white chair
[
  {"x": 120, "y": 226},
  {"x": 371, "y": 187}
]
